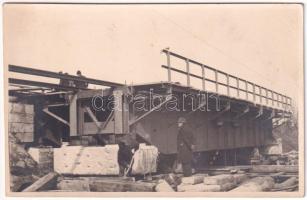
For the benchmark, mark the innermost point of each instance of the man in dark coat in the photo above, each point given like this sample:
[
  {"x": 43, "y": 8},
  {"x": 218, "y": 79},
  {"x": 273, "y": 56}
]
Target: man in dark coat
[{"x": 185, "y": 146}]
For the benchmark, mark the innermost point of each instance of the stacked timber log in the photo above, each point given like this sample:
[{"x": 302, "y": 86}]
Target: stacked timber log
[
  {"x": 290, "y": 184},
  {"x": 258, "y": 184},
  {"x": 163, "y": 186},
  {"x": 173, "y": 179},
  {"x": 73, "y": 184},
  {"x": 218, "y": 183},
  {"x": 192, "y": 184},
  {"x": 292, "y": 157},
  {"x": 274, "y": 168},
  {"x": 121, "y": 186}
]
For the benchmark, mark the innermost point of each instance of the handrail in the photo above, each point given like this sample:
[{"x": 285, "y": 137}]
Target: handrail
[{"x": 275, "y": 97}]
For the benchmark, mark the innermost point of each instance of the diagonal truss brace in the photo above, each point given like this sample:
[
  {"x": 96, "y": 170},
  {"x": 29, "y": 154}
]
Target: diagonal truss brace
[
  {"x": 45, "y": 110},
  {"x": 167, "y": 99},
  {"x": 246, "y": 110}
]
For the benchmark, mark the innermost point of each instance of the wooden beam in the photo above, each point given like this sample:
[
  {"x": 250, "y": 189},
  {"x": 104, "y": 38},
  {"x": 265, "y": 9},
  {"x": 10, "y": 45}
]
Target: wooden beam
[
  {"x": 274, "y": 168},
  {"x": 44, "y": 182},
  {"x": 121, "y": 186},
  {"x": 91, "y": 93},
  {"x": 50, "y": 74},
  {"x": 56, "y": 117},
  {"x": 58, "y": 105},
  {"x": 90, "y": 128},
  {"x": 43, "y": 84}
]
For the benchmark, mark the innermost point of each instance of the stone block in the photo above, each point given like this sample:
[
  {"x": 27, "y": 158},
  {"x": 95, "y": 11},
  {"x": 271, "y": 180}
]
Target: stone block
[
  {"x": 21, "y": 108},
  {"x": 91, "y": 160},
  {"x": 21, "y": 128},
  {"x": 24, "y": 137},
  {"x": 21, "y": 118}
]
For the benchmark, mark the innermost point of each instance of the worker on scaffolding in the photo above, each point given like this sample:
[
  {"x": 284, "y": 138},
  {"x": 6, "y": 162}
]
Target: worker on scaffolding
[
  {"x": 81, "y": 84},
  {"x": 66, "y": 81},
  {"x": 185, "y": 146}
]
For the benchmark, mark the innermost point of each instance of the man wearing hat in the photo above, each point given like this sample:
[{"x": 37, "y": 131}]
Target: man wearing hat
[{"x": 185, "y": 146}]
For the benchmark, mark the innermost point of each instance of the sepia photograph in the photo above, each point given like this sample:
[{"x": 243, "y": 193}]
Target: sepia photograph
[{"x": 172, "y": 100}]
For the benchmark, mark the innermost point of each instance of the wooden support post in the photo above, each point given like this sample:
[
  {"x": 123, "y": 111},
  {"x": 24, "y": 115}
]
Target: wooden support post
[
  {"x": 246, "y": 90},
  {"x": 272, "y": 98},
  {"x": 73, "y": 115},
  {"x": 216, "y": 82},
  {"x": 238, "y": 87},
  {"x": 282, "y": 101},
  {"x": 260, "y": 93},
  {"x": 126, "y": 128},
  {"x": 188, "y": 72},
  {"x": 254, "y": 95},
  {"x": 266, "y": 96},
  {"x": 169, "y": 66},
  {"x": 277, "y": 95},
  {"x": 204, "y": 77},
  {"x": 80, "y": 119},
  {"x": 228, "y": 91},
  {"x": 118, "y": 111}
]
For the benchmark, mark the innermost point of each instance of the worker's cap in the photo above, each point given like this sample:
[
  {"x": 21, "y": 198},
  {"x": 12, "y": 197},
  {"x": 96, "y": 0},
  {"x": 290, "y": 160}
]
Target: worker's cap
[{"x": 182, "y": 120}]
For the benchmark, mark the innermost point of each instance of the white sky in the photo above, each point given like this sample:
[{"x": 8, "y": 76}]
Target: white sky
[{"x": 261, "y": 43}]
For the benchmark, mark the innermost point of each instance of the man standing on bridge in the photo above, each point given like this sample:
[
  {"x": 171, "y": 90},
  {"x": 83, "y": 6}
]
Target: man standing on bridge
[{"x": 185, "y": 146}]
